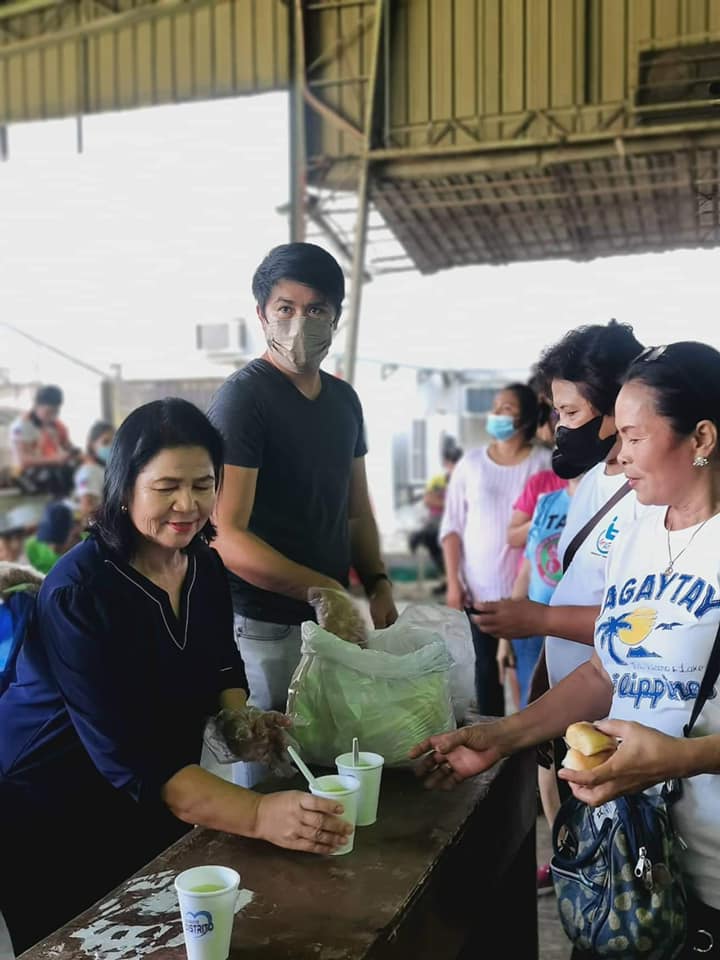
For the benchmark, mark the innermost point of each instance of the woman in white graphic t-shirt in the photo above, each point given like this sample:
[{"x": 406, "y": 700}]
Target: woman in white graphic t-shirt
[{"x": 659, "y": 616}]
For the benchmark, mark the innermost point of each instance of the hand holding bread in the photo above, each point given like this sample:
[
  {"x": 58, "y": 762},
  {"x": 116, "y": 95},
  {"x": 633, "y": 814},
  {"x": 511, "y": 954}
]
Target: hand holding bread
[{"x": 588, "y": 746}]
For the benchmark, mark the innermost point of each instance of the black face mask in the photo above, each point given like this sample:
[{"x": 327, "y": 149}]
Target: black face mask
[{"x": 579, "y": 449}]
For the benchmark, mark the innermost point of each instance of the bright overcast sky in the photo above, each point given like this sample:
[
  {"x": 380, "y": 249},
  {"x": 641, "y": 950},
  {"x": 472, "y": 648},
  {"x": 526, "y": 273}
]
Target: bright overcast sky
[{"x": 116, "y": 254}]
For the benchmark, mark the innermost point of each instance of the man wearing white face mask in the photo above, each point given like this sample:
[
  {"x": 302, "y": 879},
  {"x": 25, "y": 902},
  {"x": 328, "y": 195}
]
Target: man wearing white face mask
[{"x": 294, "y": 511}]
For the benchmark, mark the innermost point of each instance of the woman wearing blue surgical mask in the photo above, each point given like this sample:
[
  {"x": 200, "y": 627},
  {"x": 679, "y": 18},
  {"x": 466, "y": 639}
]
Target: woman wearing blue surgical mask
[
  {"x": 90, "y": 476},
  {"x": 480, "y": 564}
]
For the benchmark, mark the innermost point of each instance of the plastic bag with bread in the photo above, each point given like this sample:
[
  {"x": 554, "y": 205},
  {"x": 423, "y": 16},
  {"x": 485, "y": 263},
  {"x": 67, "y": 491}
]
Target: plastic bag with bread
[{"x": 588, "y": 746}]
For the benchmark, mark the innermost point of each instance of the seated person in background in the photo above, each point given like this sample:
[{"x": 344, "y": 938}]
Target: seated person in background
[
  {"x": 90, "y": 475},
  {"x": 12, "y": 539},
  {"x": 54, "y": 537},
  {"x": 43, "y": 456},
  {"x": 129, "y": 651},
  {"x": 434, "y": 502}
]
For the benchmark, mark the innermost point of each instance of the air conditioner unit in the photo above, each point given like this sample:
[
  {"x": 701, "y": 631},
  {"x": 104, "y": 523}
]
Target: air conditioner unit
[
  {"x": 218, "y": 339},
  {"x": 678, "y": 84},
  {"x": 477, "y": 400}
]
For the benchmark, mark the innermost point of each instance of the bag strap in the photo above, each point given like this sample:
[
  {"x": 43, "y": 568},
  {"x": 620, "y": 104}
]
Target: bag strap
[
  {"x": 582, "y": 534},
  {"x": 708, "y": 682}
]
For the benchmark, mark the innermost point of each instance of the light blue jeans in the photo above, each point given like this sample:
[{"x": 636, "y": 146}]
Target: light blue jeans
[{"x": 270, "y": 652}]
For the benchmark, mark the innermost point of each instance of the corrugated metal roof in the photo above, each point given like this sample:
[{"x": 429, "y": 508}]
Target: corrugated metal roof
[
  {"x": 502, "y": 129},
  {"x": 74, "y": 57},
  {"x": 581, "y": 209}
]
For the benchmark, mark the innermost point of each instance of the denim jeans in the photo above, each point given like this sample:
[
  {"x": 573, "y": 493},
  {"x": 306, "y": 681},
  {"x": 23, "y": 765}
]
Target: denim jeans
[
  {"x": 488, "y": 689},
  {"x": 270, "y": 652}
]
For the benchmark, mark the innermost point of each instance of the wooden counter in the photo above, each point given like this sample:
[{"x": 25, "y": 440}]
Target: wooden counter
[{"x": 440, "y": 875}]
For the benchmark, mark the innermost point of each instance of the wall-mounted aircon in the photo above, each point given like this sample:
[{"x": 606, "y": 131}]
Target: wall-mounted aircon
[
  {"x": 678, "y": 84},
  {"x": 229, "y": 336},
  {"x": 477, "y": 400}
]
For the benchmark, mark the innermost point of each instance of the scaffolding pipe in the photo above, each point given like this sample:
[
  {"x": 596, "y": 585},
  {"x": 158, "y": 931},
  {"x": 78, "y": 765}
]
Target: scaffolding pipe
[
  {"x": 298, "y": 148},
  {"x": 358, "y": 267}
]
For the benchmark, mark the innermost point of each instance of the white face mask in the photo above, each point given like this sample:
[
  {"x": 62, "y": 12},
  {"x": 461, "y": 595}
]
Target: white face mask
[{"x": 299, "y": 345}]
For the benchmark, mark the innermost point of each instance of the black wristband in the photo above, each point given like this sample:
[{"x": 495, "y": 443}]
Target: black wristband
[{"x": 371, "y": 582}]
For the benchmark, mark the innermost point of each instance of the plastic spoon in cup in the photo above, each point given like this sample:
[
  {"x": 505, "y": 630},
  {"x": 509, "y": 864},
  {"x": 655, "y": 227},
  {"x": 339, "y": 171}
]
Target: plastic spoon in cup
[
  {"x": 300, "y": 764},
  {"x": 356, "y": 752}
]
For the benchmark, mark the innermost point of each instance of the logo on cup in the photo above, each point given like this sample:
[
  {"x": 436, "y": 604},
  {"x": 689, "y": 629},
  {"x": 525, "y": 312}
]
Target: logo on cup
[{"x": 197, "y": 925}]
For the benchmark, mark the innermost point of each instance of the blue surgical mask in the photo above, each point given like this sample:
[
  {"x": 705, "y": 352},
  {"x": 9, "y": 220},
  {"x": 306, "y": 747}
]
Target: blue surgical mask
[
  {"x": 500, "y": 425},
  {"x": 103, "y": 453}
]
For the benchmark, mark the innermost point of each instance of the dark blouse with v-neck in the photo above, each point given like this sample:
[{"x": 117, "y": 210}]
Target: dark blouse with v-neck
[{"x": 111, "y": 684}]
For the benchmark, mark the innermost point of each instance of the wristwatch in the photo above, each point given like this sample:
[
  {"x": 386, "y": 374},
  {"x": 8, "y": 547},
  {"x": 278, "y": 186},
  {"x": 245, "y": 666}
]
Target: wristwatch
[{"x": 371, "y": 582}]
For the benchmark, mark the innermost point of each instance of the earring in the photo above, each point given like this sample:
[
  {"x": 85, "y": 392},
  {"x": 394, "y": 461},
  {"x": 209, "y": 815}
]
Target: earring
[
  {"x": 123, "y": 508},
  {"x": 700, "y": 461}
]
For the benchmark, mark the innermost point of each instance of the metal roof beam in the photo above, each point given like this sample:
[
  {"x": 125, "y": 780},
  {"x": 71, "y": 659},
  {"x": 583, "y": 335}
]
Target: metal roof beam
[
  {"x": 23, "y": 7},
  {"x": 147, "y": 11}
]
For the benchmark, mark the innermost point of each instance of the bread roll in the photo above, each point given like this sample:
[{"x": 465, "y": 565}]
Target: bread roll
[
  {"x": 574, "y": 760},
  {"x": 588, "y": 740}
]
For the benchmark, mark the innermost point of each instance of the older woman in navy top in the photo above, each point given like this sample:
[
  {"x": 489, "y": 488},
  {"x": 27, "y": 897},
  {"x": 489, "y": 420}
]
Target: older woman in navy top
[{"x": 129, "y": 651}]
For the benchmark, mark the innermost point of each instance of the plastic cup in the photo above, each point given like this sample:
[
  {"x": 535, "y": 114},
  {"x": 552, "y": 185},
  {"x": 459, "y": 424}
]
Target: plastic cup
[
  {"x": 369, "y": 773},
  {"x": 345, "y": 790},
  {"x": 207, "y": 898}
]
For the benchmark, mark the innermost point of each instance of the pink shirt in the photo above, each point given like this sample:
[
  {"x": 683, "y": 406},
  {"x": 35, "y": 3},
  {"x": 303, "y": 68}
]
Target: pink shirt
[{"x": 546, "y": 481}]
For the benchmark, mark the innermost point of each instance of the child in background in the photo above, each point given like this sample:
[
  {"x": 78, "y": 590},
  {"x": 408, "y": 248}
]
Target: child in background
[
  {"x": 12, "y": 539},
  {"x": 55, "y": 536},
  {"x": 539, "y": 574},
  {"x": 90, "y": 476}
]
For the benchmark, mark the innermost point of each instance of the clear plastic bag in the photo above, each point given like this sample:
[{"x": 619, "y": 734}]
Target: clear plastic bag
[
  {"x": 337, "y": 613},
  {"x": 454, "y": 628},
  {"x": 390, "y": 696},
  {"x": 250, "y": 734}
]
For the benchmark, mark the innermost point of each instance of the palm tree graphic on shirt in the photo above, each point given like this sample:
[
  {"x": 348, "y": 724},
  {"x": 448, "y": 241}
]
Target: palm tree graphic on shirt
[{"x": 629, "y": 629}]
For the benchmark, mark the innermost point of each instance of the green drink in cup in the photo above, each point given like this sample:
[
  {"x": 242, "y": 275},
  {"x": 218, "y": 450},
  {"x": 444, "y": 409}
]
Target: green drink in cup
[
  {"x": 368, "y": 770},
  {"x": 207, "y": 897},
  {"x": 345, "y": 791}
]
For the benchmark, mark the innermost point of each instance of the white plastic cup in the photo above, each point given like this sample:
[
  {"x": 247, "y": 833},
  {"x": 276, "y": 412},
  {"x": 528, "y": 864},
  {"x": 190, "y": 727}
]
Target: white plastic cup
[
  {"x": 207, "y": 915},
  {"x": 369, "y": 773},
  {"x": 345, "y": 790}
]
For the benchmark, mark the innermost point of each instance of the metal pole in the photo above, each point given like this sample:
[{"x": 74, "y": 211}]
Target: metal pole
[
  {"x": 49, "y": 346},
  {"x": 298, "y": 149},
  {"x": 358, "y": 269},
  {"x": 358, "y": 265},
  {"x": 4, "y": 153}
]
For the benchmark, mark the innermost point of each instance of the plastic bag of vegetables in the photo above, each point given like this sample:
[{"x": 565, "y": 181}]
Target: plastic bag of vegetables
[{"x": 390, "y": 700}]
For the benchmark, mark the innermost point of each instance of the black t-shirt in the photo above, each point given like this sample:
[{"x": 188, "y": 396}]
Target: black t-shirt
[{"x": 303, "y": 451}]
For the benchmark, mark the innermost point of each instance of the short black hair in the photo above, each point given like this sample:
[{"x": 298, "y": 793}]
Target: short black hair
[
  {"x": 538, "y": 387},
  {"x": 528, "y": 407},
  {"x": 96, "y": 431},
  {"x": 450, "y": 452},
  {"x": 305, "y": 263},
  {"x": 159, "y": 425},
  {"x": 594, "y": 358},
  {"x": 686, "y": 379},
  {"x": 49, "y": 396}
]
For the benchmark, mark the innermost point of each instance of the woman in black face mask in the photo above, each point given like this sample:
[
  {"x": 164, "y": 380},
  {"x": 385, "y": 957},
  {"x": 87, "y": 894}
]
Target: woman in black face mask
[{"x": 583, "y": 373}]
